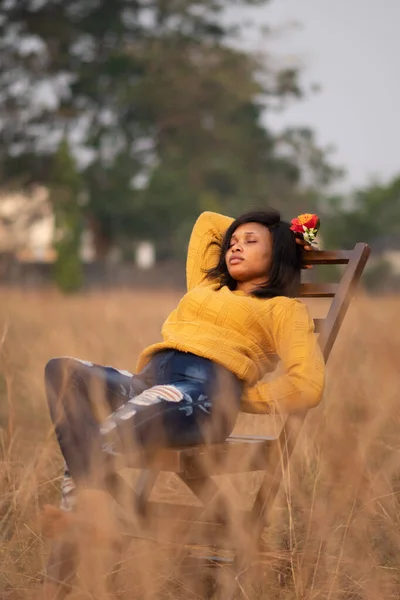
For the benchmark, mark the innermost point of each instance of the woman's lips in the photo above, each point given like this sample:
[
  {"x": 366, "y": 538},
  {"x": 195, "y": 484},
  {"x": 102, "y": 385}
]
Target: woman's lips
[{"x": 235, "y": 260}]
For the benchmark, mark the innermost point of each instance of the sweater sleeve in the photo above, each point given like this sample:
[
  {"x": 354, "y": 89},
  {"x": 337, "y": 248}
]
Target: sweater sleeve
[
  {"x": 204, "y": 246},
  {"x": 301, "y": 384}
]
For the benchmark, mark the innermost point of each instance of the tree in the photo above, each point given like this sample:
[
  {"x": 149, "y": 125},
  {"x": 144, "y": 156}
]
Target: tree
[
  {"x": 66, "y": 193},
  {"x": 368, "y": 215},
  {"x": 151, "y": 92}
]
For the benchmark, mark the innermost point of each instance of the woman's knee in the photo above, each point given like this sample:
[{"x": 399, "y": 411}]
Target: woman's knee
[
  {"x": 57, "y": 372},
  {"x": 53, "y": 370}
]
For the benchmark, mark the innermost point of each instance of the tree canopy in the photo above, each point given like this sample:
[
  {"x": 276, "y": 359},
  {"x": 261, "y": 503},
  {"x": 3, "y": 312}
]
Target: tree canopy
[{"x": 161, "y": 111}]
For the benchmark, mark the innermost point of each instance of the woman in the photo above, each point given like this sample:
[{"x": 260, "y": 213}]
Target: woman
[{"x": 237, "y": 319}]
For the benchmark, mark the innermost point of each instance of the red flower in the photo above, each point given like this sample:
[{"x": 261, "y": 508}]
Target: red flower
[
  {"x": 307, "y": 220},
  {"x": 307, "y": 225}
]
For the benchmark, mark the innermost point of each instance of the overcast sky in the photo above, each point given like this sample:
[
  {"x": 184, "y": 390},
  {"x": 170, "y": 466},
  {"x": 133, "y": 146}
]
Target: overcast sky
[{"x": 352, "y": 49}]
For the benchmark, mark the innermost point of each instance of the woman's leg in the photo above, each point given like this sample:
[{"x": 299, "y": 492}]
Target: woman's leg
[
  {"x": 194, "y": 402},
  {"x": 183, "y": 409},
  {"x": 78, "y": 394},
  {"x": 178, "y": 414}
]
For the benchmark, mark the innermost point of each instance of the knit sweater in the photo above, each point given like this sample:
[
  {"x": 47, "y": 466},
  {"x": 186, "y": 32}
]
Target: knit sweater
[{"x": 247, "y": 335}]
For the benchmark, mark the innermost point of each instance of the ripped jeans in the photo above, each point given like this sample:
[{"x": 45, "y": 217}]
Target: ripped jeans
[{"x": 179, "y": 399}]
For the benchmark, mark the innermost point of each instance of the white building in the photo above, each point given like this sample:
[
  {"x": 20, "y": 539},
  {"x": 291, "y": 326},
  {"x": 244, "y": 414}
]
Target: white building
[
  {"x": 27, "y": 225},
  {"x": 27, "y": 231}
]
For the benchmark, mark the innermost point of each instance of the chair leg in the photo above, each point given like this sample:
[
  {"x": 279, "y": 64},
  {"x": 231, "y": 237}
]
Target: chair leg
[
  {"x": 128, "y": 498},
  {"x": 203, "y": 487},
  {"x": 53, "y": 591},
  {"x": 122, "y": 492},
  {"x": 143, "y": 488},
  {"x": 61, "y": 568}
]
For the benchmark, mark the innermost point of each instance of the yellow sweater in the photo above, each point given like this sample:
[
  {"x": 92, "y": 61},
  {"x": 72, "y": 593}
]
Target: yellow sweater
[{"x": 246, "y": 335}]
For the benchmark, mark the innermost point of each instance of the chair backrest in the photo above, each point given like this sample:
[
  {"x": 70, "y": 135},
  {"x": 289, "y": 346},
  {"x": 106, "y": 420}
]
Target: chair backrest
[
  {"x": 328, "y": 327},
  {"x": 341, "y": 293}
]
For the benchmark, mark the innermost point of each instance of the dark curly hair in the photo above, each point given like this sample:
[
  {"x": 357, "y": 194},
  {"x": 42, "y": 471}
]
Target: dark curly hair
[{"x": 284, "y": 273}]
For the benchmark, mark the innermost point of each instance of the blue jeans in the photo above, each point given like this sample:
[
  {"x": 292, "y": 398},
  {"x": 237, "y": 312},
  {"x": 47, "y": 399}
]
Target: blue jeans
[{"x": 100, "y": 411}]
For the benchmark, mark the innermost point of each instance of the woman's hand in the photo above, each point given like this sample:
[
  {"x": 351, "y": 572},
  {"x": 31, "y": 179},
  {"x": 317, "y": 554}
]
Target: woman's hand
[{"x": 307, "y": 247}]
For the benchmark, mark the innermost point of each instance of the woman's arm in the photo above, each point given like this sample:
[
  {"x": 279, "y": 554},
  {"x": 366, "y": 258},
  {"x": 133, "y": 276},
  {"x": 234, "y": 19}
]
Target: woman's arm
[
  {"x": 204, "y": 246},
  {"x": 301, "y": 386}
]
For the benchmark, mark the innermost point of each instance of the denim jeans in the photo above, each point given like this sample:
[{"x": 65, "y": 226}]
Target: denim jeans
[{"x": 178, "y": 399}]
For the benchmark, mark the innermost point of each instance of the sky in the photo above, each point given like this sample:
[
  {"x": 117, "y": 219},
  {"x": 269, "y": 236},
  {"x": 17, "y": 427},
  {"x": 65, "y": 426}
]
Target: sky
[{"x": 351, "y": 48}]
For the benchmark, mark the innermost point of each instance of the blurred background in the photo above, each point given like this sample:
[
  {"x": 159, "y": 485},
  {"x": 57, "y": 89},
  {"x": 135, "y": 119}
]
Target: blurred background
[{"x": 121, "y": 121}]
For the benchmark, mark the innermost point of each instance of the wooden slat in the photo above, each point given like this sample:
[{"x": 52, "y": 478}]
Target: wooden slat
[
  {"x": 327, "y": 257},
  {"x": 180, "y": 512},
  {"x": 341, "y": 302},
  {"x": 169, "y": 528},
  {"x": 190, "y": 513},
  {"x": 237, "y": 455},
  {"x": 318, "y": 290}
]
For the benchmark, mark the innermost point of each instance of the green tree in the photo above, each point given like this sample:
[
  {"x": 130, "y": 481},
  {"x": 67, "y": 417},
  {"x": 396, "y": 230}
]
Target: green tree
[
  {"x": 370, "y": 215},
  {"x": 66, "y": 191},
  {"x": 367, "y": 215},
  {"x": 151, "y": 92}
]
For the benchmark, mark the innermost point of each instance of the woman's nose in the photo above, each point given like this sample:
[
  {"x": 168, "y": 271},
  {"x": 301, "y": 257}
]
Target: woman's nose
[{"x": 237, "y": 248}]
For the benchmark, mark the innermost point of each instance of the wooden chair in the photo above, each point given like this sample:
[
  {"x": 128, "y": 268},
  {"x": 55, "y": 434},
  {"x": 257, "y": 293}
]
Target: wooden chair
[{"x": 208, "y": 525}]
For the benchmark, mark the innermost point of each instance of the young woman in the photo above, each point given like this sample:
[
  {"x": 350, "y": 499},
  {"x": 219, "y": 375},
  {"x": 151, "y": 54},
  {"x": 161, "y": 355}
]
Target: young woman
[{"x": 239, "y": 317}]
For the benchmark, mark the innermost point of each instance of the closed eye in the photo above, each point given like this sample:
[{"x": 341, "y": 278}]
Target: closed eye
[{"x": 247, "y": 242}]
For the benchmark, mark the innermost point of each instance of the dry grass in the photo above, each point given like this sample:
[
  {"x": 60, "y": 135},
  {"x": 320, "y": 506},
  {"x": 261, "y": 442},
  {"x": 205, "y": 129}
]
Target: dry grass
[{"x": 336, "y": 523}]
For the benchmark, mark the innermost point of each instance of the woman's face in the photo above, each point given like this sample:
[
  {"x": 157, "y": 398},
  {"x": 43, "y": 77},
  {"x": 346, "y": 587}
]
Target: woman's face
[{"x": 249, "y": 255}]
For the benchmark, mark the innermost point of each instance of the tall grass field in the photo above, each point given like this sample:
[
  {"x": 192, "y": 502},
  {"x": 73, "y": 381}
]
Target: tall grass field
[{"x": 335, "y": 528}]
